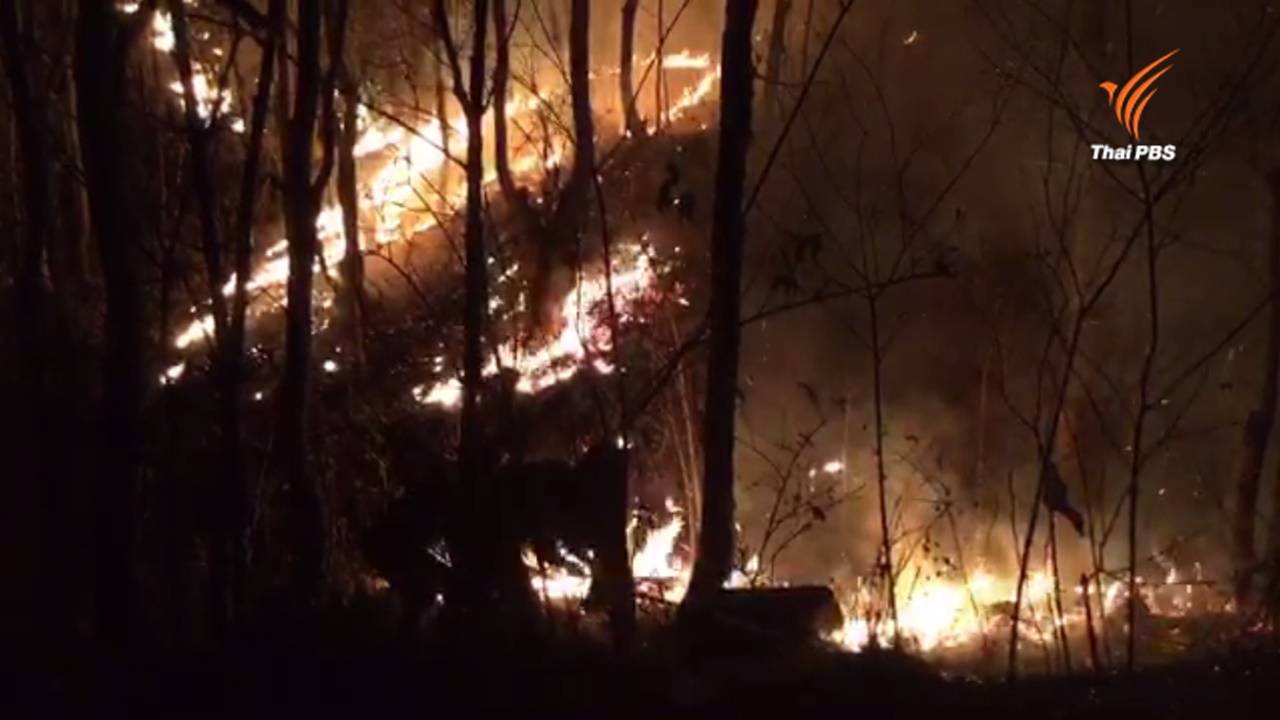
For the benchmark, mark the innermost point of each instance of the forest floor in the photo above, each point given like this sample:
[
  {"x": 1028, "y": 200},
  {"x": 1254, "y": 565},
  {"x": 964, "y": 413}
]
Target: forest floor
[{"x": 350, "y": 667}]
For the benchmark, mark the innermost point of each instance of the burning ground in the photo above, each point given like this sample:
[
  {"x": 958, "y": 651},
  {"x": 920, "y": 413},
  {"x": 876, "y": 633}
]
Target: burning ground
[{"x": 948, "y": 604}]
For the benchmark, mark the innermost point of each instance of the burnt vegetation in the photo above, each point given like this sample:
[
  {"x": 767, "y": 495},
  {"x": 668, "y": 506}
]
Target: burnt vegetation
[{"x": 640, "y": 355}]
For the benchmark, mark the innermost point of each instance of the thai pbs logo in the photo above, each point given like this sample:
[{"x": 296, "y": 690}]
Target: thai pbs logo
[{"x": 1129, "y": 103}]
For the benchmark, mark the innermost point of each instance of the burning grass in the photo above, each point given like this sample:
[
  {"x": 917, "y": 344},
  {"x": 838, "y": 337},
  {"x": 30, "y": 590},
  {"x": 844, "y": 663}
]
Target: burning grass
[{"x": 405, "y": 194}]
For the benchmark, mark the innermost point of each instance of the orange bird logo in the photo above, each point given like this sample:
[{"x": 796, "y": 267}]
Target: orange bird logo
[{"x": 1132, "y": 99}]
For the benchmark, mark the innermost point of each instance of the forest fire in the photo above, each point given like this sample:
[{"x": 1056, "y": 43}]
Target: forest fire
[
  {"x": 939, "y": 613},
  {"x": 702, "y": 357},
  {"x": 582, "y": 338},
  {"x": 657, "y": 565},
  {"x": 404, "y": 196}
]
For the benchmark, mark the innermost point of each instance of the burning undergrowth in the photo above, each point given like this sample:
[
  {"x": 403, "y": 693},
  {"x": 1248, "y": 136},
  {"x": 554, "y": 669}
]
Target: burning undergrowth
[{"x": 955, "y": 569}]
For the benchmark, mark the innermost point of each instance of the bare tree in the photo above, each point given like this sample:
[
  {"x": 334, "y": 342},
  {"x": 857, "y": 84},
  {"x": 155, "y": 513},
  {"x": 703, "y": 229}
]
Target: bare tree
[
  {"x": 1257, "y": 429},
  {"x": 1273, "y": 359},
  {"x": 777, "y": 53},
  {"x": 632, "y": 123},
  {"x": 313, "y": 97},
  {"x": 199, "y": 131},
  {"x": 352, "y": 265},
  {"x": 104, "y": 40},
  {"x": 573, "y": 198},
  {"x": 30, "y": 114},
  {"x": 487, "y": 564},
  {"x": 199, "y": 136},
  {"x": 716, "y": 537},
  {"x": 232, "y": 548},
  {"x": 502, "y": 31}
]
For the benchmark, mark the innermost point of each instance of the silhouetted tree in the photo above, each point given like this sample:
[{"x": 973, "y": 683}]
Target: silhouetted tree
[
  {"x": 1273, "y": 360},
  {"x": 30, "y": 466},
  {"x": 488, "y": 576},
  {"x": 716, "y": 539},
  {"x": 104, "y": 40},
  {"x": 502, "y": 28},
  {"x": 308, "y": 541},
  {"x": 573, "y": 199},
  {"x": 1257, "y": 429},
  {"x": 352, "y": 264},
  {"x": 199, "y": 132},
  {"x": 231, "y": 547},
  {"x": 777, "y": 53},
  {"x": 631, "y": 115}
]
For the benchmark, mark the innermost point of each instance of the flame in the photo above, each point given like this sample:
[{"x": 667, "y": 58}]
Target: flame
[
  {"x": 582, "y": 340},
  {"x": 934, "y": 612},
  {"x": 937, "y": 613},
  {"x": 687, "y": 60},
  {"x": 833, "y": 467},
  {"x": 210, "y": 99},
  {"x": 944, "y": 612},
  {"x": 570, "y": 581},
  {"x": 655, "y": 558},
  {"x": 693, "y": 96},
  {"x": 173, "y": 373},
  {"x": 404, "y": 160},
  {"x": 656, "y": 566}
]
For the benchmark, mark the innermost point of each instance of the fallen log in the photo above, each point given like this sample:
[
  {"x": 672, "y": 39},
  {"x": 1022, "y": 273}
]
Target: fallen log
[{"x": 781, "y": 614}]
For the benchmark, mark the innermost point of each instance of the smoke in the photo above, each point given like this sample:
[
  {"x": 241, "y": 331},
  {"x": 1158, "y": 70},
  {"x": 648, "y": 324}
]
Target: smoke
[{"x": 899, "y": 113}]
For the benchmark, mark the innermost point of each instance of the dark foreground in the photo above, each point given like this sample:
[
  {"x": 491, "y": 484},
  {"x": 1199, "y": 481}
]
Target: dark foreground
[{"x": 670, "y": 677}]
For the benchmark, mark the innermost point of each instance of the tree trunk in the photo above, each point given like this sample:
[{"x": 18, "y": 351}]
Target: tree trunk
[
  {"x": 501, "y": 80},
  {"x": 206, "y": 196},
  {"x": 31, "y": 117},
  {"x": 442, "y": 113},
  {"x": 660, "y": 78},
  {"x": 1257, "y": 429},
  {"x": 887, "y": 570},
  {"x": 301, "y": 206},
  {"x": 573, "y": 200},
  {"x": 231, "y": 548},
  {"x": 476, "y": 303},
  {"x": 716, "y": 539},
  {"x": 28, "y": 511},
  {"x": 632, "y": 123},
  {"x": 68, "y": 248},
  {"x": 558, "y": 248},
  {"x": 102, "y": 53},
  {"x": 488, "y": 576},
  {"x": 352, "y": 267},
  {"x": 777, "y": 53},
  {"x": 201, "y": 170},
  {"x": 1273, "y": 359}
]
